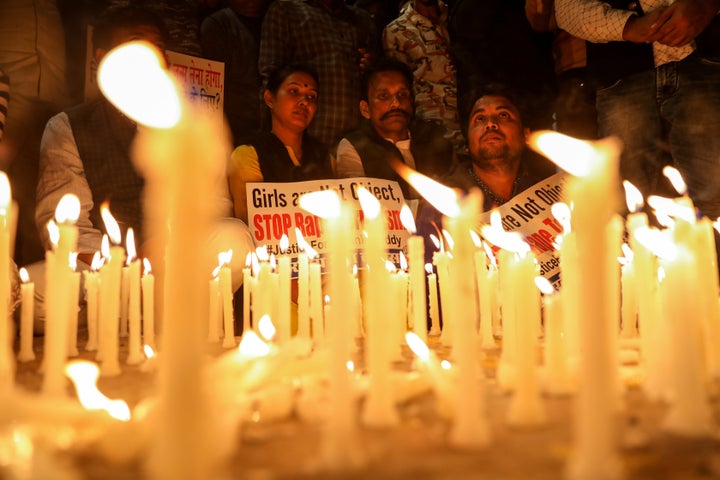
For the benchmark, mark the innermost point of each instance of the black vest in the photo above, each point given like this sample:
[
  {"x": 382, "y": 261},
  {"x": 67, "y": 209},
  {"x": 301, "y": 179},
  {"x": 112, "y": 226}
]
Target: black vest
[
  {"x": 103, "y": 137},
  {"x": 276, "y": 165},
  {"x": 432, "y": 153},
  {"x": 609, "y": 62}
]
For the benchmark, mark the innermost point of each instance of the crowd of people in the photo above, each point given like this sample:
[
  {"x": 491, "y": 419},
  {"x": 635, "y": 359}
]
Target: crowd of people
[{"x": 332, "y": 88}]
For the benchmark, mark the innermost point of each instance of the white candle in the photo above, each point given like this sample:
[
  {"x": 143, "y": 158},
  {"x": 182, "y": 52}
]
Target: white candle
[
  {"x": 92, "y": 287},
  {"x": 416, "y": 254},
  {"x": 485, "y": 300},
  {"x": 58, "y": 296},
  {"x": 592, "y": 192},
  {"x": 303, "y": 298},
  {"x": 110, "y": 275},
  {"x": 433, "y": 299},
  {"x": 135, "y": 352},
  {"x": 7, "y": 368},
  {"x": 226, "y": 295},
  {"x": 148, "y": 295},
  {"x": 26, "y": 352},
  {"x": 470, "y": 427},
  {"x": 284, "y": 326},
  {"x": 74, "y": 291},
  {"x": 557, "y": 373},
  {"x": 629, "y": 300},
  {"x": 214, "y": 316},
  {"x": 124, "y": 300},
  {"x": 707, "y": 274},
  {"x": 441, "y": 262},
  {"x": 248, "y": 284},
  {"x": 379, "y": 408},
  {"x": 316, "y": 300}
]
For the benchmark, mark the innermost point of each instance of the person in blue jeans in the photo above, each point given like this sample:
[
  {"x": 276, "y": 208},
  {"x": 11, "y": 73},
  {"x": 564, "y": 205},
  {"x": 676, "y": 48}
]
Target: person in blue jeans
[{"x": 656, "y": 67}]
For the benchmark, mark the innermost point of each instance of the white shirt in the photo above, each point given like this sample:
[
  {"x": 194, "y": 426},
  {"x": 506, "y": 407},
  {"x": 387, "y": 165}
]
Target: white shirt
[{"x": 349, "y": 164}]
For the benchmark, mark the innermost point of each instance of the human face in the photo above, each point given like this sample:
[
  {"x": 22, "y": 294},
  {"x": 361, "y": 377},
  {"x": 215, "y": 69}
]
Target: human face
[
  {"x": 495, "y": 130},
  {"x": 293, "y": 106},
  {"x": 389, "y": 106},
  {"x": 147, "y": 33}
]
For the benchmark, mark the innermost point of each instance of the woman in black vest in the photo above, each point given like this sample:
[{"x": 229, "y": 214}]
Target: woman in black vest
[{"x": 286, "y": 153}]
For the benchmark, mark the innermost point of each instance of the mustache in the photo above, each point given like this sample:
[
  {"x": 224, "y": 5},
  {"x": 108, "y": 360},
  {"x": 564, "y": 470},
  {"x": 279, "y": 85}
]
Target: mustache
[
  {"x": 393, "y": 112},
  {"x": 493, "y": 132}
]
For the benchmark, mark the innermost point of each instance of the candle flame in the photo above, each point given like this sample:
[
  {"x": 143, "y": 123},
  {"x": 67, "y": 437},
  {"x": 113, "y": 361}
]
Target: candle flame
[
  {"x": 477, "y": 241},
  {"x": 72, "y": 260},
  {"x": 284, "y": 243},
  {"x": 673, "y": 174},
  {"x": 429, "y": 268},
  {"x": 252, "y": 346},
  {"x": 562, "y": 214},
  {"x": 302, "y": 244},
  {"x": 671, "y": 208},
  {"x": 350, "y": 365},
  {"x": 716, "y": 224},
  {"x": 111, "y": 225},
  {"x": 324, "y": 204},
  {"x": 24, "y": 277},
  {"x": 660, "y": 274},
  {"x": 255, "y": 264},
  {"x": 403, "y": 261},
  {"x": 84, "y": 376},
  {"x": 273, "y": 262},
  {"x": 149, "y": 352},
  {"x": 5, "y": 195},
  {"x": 148, "y": 267},
  {"x": 544, "y": 285},
  {"x": 216, "y": 272},
  {"x": 105, "y": 246},
  {"x": 369, "y": 204},
  {"x": 511, "y": 241},
  {"x": 445, "y": 365},
  {"x": 68, "y": 209},
  {"x": 132, "y": 77},
  {"x": 417, "y": 346},
  {"x": 390, "y": 266},
  {"x": 224, "y": 258},
  {"x": 261, "y": 253},
  {"x": 627, "y": 252},
  {"x": 633, "y": 197},
  {"x": 266, "y": 327},
  {"x": 572, "y": 155},
  {"x": 53, "y": 232},
  {"x": 655, "y": 241},
  {"x": 448, "y": 239},
  {"x": 407, "y": 219},
  {"x": 130, "y": 246},
  {"x": 489, "y": 253},
  {"x": 443, "y": 198},
  {"x": 435, "y": 240}
]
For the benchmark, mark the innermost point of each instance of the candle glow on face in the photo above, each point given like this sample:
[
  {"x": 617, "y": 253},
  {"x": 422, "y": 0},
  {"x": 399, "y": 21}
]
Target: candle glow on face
[
  {"x": 132, "y": 76},
  {"x": 84, "y": 376},
  {"x": 68, "y": 209}
]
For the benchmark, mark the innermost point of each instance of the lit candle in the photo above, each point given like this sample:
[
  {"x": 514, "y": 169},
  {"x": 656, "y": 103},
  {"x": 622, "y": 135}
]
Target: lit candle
[
  {"x": 441, "y": 261},
  {"x": 418, "y": 296},
  {"x": 629, "y": 296},
  {"x": 180, "y": 153},
  {"x": 283, "y": 322},
  {"x": 226, "y": 295},
  {"x": 433, "y": 296},
  {"x": 247, "y": 292},
  {"x": 58, "y": 296},
  {"x": 148, "y": 295},
  {"x": 92, "y": 285},
  {"x": 379, "y": 408},
  {"x": 124, "y": 298},
  {"x": 316, "y": 299},
  {"x": 110, "y": 278},
  {"x": 707, "y": 273},
  {"x": 135, "y": 352},
  {"x": 484, "y": 296},
  {"x": 7, "y": 368},
  {"x": 303, "y": 299},
  {"x": 214, "y": 316},
  {"x": 557, "y": 373},
  {"x": 26, "y": 352},
  {"x": 592, "y": 192},
  {"x": 74, "y": 292}
]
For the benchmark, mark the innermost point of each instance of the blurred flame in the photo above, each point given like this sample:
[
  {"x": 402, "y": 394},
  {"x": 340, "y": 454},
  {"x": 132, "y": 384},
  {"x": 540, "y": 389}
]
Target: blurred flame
[
  {"x": 544, "y": 285},
  {"x": 407, "y": 219},
  {"x": 627, "y": 252},
  {"x": 403, "y": 261},
  {"x": 148, "y": 267},
  {"x": 511, "y": 241},
  {"x": 149, "y": 352},
  {"x": 132, "y": 77},
  {"x": 284, "y": 243},
  {"x": 417, "y": 346},
  {"x": 6, "y": 195},
  {"x": 633, "y": 197},
  {"x": 252, "y": 346},
  {"x": 562, "y": 214},
  {"x": 261, "y": 253},
  {"x": 673, "y": 174},
  {"x": 72, "y": 260},
  {"x": 429, "y": 268},
  {"x": 266, "y": 327},
  {"x": 105, "y": 246},
  {"x": 111, "y": 225},
  {"x": 130, "y": 246},
  {"x": 448, "y": 239},
  {"x": 224, "y": 258},
  {"x": 445, "y": 365},
  {"x": 24, "y": 277},
  {"x": 443, "y": 198},
  {"x": 350, "y": 365},
  {"x": 572, "y": 155},
  {"x": 84, "y": 376},
  {"x": 68, "y": 209},
  {"x": 435, "y": 240},
  {"x": 324, "y": 204},
  {"x": 669, "y": 207},
  {"x": 390, "y": 266},
  {"x": 369, "y": 204},
  {"x": 53, "y": 232},
  {"x": 658, "y": 243}
]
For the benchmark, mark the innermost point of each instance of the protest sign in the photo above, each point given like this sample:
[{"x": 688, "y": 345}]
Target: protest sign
[
  {"x": 274, "y": 211},
  {"x": 201, "y": 80}
]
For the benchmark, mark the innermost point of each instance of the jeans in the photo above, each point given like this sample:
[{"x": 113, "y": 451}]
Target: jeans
[{"x": 669, "y": 115}]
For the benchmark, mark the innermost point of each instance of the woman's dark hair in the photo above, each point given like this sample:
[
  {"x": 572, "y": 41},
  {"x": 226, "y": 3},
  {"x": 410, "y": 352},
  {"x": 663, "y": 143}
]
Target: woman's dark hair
[
  {"x": 278, "y": 76},
  {"x": 117, "y": 17},
  {"x": 385, "y": 64}
]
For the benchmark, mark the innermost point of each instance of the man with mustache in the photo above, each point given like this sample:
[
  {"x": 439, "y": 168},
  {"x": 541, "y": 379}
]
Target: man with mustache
[{"x": 391, "y": 132}]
